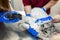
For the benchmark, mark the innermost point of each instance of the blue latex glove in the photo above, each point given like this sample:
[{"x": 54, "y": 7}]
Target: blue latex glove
[
  {"x": 2, "y": 13},
  {"x": 44, "y": 20},
  {"x": 28, "y": 14},
  {"x": 4, "y": 17},
  {"x": 32, "y": 31}
]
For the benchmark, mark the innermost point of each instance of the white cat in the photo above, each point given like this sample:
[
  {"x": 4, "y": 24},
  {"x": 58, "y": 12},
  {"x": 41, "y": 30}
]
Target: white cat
[{"x": 44, "y": 26}]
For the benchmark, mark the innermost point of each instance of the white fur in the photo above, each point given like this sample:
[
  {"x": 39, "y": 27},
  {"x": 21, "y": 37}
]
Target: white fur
[{"x": 20, "y": 25}]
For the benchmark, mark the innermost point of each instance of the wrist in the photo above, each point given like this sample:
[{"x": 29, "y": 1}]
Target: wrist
[
  {"x": 44, "y": 8},
  {"x": 28, "y": 14}
]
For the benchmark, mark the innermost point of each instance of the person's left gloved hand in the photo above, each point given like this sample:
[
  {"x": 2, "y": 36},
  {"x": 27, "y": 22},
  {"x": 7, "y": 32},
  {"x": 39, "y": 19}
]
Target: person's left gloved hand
[{"x": 10, "y": 17}]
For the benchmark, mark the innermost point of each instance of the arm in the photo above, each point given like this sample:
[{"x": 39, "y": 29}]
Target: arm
[
  {"x": 11, "y": 6},
  {"x": 27, "y": 6},
  {"x": 27, "y": 9},
  {"x": 50, "y": 4}
]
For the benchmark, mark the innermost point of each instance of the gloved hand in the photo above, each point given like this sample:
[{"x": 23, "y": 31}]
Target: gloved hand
[
  {"x": 13, "y": 15},
  {"x": 32, "y": 31},
  {"x": 10, "y": 17},
  {"x": 44, "y": 20}
]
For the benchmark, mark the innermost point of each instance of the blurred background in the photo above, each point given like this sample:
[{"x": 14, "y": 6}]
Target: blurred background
[{"x": 17, "y": 5}]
